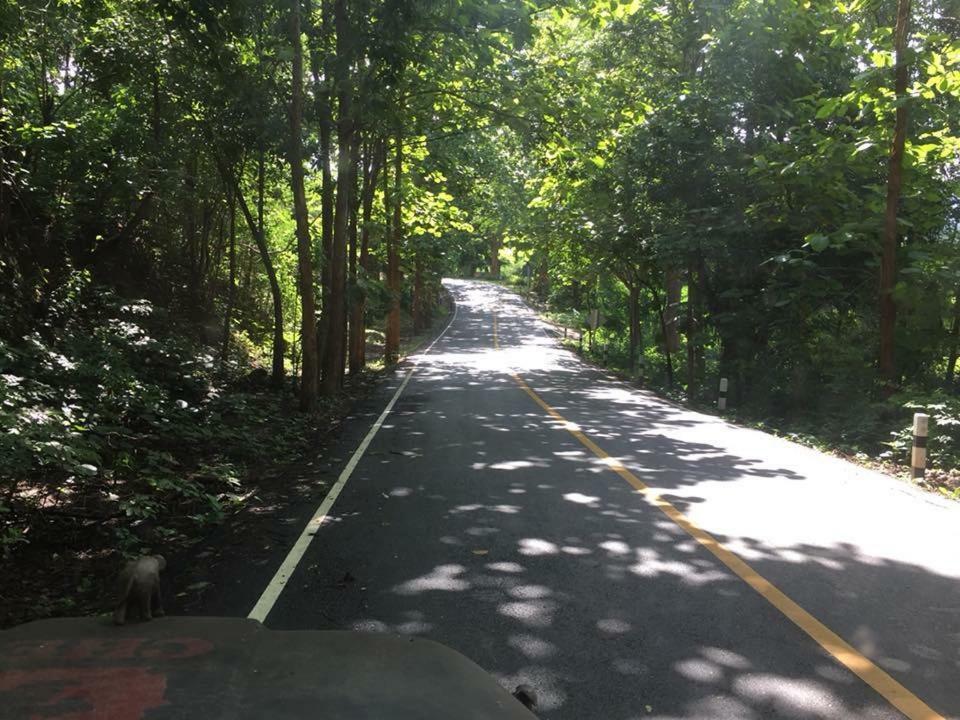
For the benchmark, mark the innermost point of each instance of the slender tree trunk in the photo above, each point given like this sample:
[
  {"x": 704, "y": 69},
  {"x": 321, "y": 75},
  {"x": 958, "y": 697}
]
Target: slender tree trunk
[
  {"x": 391, "y": 350},
  {"x": 371, "y": 170},
  {"x": 190, "y": 229},
  {"x": 355, "y": 342},
  {"x": 543, "y": 276},
  {"x": 634, "y": 313},
  {"x": 673, "y": 286},
  {"x": 319, "y": 59},
  {"x": 495, "y": 245},
  {"x": 335, "y": 344},
  {"x": 260, "y": 236},
  {"x": 692, "y": 340},
  {"x": 203, "y": 253},
  {"x": 888, "y": 270},
  {"x": 308, "y": 321},
  {"x": 668, "y": 354},
  {"x": 419, "y": 300},
  {"x": 232, "y": 281},
  {"x": 954, "y": 339},
  {"x": 6, "y": 152}
]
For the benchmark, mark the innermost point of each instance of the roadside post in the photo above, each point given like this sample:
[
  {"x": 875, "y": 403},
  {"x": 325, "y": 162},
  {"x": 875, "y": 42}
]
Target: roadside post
[
  {"x": 722, "y": 399},
  {"x": 918, "y": 458}
]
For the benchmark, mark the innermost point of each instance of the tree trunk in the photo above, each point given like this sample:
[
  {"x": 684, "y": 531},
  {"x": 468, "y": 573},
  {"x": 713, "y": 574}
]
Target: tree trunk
[
  {"x": 308, "y": 321},
  {"x": 419, "y": 301},
  {"x": 232, "y": 281},
  {"x": 954, "y": 338},
  {"x": 634, "y": 313},
  {"x": 335, "y": 343},
  {"x": 371, "y": 170},
  {"x": 6, "y": 152},
  {"x": 668, "y": 354},
  {"x": 190, "y": 230},
  {"x": 324, "y": 114},
  {"x": 673, "y": 286},
  {"x": 355, "y": 341},
  {"x": 391, "y": 350},
  {"x": 888, "y": 270},
  {"x": 495, "y": 245},
  {"x": 276, "y": 356},
  {"x": 692, "y": 340},
  {"x": 543, "y": 277}
]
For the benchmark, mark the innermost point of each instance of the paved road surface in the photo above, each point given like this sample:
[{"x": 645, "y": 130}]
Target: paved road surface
[{"x": 477, "y": 519}]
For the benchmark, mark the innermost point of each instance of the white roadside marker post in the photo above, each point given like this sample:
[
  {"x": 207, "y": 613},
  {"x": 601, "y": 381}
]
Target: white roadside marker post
[
  {"x": 722, "y": 400},
  {"x": 918, "y": 458}
]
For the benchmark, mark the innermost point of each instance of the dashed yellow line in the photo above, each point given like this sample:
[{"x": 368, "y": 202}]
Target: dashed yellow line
[{"x": 847, "y": 655}]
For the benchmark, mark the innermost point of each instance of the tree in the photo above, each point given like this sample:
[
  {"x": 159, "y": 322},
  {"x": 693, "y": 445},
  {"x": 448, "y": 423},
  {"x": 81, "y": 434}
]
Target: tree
[{"x": 308, "y": 322}]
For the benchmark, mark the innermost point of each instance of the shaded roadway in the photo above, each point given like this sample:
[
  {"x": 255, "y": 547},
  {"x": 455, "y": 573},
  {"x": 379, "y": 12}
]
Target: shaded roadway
[{"x": 473, "y": 519}]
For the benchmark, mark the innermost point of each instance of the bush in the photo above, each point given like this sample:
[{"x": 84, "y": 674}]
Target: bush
[{"x": 106, "y": 410}]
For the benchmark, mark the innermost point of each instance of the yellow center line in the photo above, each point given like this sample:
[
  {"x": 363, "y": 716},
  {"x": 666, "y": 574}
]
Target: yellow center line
[{"x": 847, "y": 655}]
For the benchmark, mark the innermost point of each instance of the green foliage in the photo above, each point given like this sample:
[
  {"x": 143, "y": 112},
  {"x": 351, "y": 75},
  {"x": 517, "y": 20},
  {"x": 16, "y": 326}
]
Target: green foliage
[
  {"x": 104, "y": 408},
  {"x": 943, "y": 446}
]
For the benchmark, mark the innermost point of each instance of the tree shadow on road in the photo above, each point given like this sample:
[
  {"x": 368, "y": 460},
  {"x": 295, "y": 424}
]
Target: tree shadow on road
[
  {"x": 611, "y": 611},
  {"x": 477, "y": 521}
]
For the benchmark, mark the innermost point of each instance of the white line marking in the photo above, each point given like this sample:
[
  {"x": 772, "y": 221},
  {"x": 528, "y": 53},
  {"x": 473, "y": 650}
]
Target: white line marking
[{"x": 270, "y": 594}]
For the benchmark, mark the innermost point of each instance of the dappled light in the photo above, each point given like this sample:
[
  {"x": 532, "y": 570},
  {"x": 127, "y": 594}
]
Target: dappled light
[{"x": 546, "y": 568}]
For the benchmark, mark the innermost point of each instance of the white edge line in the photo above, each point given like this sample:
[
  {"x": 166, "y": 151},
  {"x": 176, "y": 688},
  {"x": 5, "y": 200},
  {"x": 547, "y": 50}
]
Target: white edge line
[{"x": 279, "y": 581}]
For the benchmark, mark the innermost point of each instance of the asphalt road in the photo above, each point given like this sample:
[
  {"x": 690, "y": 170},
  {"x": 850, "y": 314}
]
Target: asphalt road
[{"x": 477, "y": 519}]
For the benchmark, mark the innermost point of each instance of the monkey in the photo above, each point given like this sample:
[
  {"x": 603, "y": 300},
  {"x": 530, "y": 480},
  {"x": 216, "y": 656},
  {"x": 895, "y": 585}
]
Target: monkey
[
  {"x": 139, "y": 587},
  {"x": 526, "y": 695}
]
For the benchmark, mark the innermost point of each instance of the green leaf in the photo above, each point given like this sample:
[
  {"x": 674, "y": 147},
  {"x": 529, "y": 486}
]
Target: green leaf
[
  {"x": 818, "y": 242},
  {"x": 827, "y": 109}
]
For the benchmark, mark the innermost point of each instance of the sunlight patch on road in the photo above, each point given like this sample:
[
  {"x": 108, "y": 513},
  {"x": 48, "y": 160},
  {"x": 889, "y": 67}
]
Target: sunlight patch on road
[
  {"x": 517, "y": 464},
  {"x": 536, "y": 546},
  {"x": 650, "y": 565},
  {"x": 699, "y": 670},
  {"x": 580, "y": 498},
  {"x": 727, "y": 658},
  {"x": 790, "y": 695},
  {"x": 473, "y": 507},
  {"x": 532, "y": 613},
  {"x": 615, "y": 547},
  {"x": 443, "y": 578},
  {"x": 530, "y": 592},
  {"x": 531, "y": 646}
]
